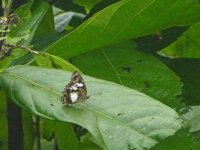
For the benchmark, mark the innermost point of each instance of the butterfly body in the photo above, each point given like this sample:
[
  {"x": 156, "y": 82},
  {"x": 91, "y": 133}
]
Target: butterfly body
[{"x": 75, "y": 91}]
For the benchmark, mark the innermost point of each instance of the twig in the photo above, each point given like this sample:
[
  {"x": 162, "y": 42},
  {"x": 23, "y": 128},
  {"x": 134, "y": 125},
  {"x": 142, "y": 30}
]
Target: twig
[{"x": 22, "y": 47}]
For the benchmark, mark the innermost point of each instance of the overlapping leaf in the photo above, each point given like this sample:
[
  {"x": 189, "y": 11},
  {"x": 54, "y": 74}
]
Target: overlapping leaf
[
  {"x": 192, "y": 118},
  {"x": 125, "y": 20},
  {"x": 47, "y": 60},
  {"x": 118, "y": 117},
  {"x": 124, "y": 64},
  {"x": 187, "y": 46}
]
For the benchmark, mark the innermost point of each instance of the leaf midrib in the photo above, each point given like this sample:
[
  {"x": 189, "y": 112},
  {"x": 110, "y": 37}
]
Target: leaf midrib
[
  {"x": 35, "y": 83},
  {"x": 88, "y": 107}
]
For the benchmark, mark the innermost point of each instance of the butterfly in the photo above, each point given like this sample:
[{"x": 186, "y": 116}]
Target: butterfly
[{"x": 75, "y": 91}]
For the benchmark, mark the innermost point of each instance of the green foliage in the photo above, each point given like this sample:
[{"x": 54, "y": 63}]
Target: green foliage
[
  {"x": 192, "y": 118},
  {"x": 186, "y": 46},
  {"x": 188, "y": 71},
  {"x": 88, "y": 4},
  {"x": 3, "y": 122},
  {"x": 62, "y": 131},
  {"x": 25, "y": 30},
  {"x": 135, "y": 114},
  {"x": 133, "y": 43},
  {"x": 47, "y": 60},
  {"x": 123, "y": 63},
  {"x": 123, "y": 21},
  {"x": 181, "y": 140},
  {"x": 28, "y": 130}
]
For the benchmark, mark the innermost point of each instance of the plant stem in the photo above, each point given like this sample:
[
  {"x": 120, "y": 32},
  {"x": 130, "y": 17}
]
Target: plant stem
[
  {"x": 3, "y": 4},
  {"x": 15, "y": 126},
  {"x": 7, "y": 8},
  {"x": 22, "y": 47},
  {"x": 37, "y": 132}
]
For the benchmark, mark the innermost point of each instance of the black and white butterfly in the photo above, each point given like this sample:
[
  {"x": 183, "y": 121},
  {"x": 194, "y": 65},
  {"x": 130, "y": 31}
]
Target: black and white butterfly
[{"x": 75, "y": 91}]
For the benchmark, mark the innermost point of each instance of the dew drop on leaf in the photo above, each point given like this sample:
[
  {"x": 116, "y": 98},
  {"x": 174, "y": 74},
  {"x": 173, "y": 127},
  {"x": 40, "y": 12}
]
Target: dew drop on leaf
[{"x": 110, "y": 137}]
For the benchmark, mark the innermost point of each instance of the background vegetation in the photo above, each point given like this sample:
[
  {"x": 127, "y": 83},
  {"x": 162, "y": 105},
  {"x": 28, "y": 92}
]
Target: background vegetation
[{"x": 140, "y": 60}]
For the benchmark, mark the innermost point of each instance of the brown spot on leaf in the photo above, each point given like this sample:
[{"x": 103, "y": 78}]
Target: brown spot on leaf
[
  {"x": 147, "y": 85},
  {"x": 127, "y": 68}
]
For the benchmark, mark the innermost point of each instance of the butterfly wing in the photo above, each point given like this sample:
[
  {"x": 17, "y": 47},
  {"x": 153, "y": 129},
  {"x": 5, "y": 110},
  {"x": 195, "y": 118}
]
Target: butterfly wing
[{"x": 75, "y": 91}]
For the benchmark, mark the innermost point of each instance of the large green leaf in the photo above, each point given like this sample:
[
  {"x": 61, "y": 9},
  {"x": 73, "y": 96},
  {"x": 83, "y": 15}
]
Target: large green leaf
[
  {"x": 125, "y": 20},
  {"x": 118, "y": 117},
  {"x": 124, "y": 64}
]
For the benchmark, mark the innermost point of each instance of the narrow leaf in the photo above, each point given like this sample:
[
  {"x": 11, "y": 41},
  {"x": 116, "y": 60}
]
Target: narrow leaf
[{"x": 47, "y": 60}]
